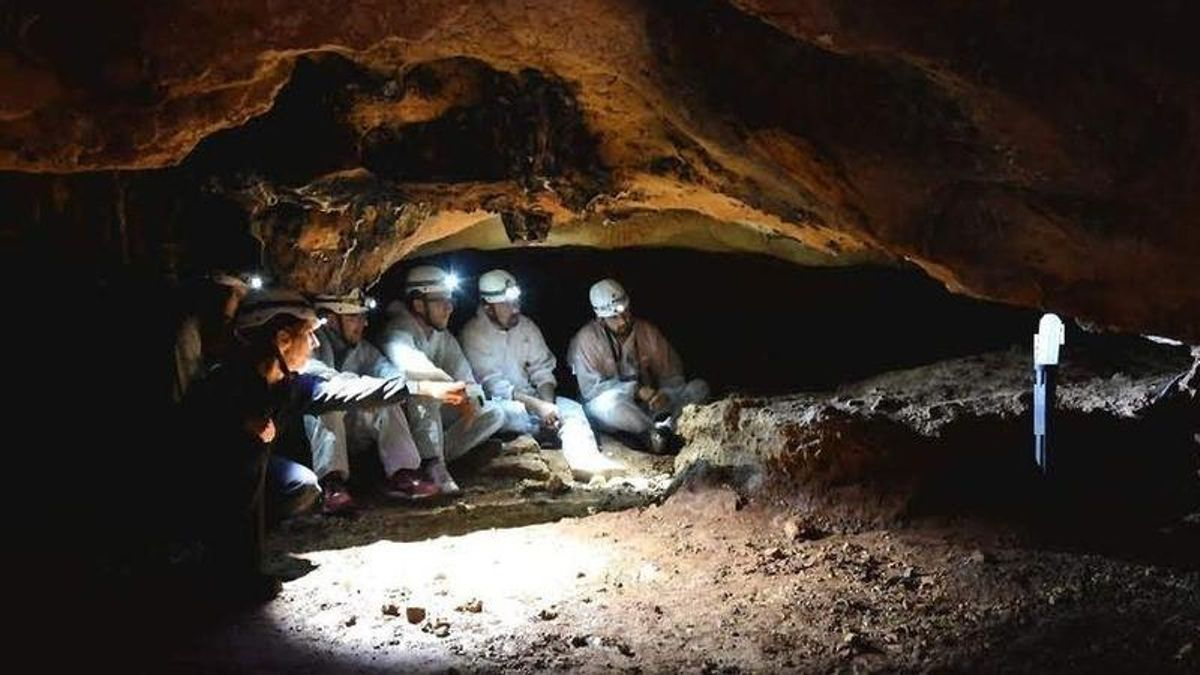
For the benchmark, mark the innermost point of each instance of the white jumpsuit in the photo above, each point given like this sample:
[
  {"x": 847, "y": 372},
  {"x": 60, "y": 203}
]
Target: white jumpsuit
[
  {"x": 334, "y": 435},
  {"x": 518, "y": 361},
  {"x": 436, "y": 355},
  {"x": 610, "y": 370}
]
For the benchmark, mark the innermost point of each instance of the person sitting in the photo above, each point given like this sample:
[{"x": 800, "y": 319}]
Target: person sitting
[
  {"x": 630, "y": 378},
  {"x": 516, "y": 368},
  {"x": 416, "y": 339},
  {"x": 332, "y": 436},
  {"x": 230, "y": 420}
]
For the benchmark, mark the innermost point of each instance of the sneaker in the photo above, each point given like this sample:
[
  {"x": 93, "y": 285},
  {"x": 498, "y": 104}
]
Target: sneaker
[
  {"x": 410, "y": 485},
  {"x": 588, "y": 465},
  {"x": 335, "y": 497},
  {"x": 440, "y": 476}
]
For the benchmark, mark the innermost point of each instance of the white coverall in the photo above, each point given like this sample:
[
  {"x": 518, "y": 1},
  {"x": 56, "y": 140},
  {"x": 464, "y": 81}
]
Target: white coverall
[
  {"x": 518, "y": 361},
  {"x": 610, "y": 370},
  {"x": 333, "y": 435},
  {"x": 438, "y": 432}
]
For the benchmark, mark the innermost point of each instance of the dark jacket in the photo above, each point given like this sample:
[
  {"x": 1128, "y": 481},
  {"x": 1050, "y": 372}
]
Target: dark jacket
[{"x": 229, "y": 489}]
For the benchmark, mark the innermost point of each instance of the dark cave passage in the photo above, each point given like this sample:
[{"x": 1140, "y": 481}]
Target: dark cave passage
[{"x": 748, "y": 323}]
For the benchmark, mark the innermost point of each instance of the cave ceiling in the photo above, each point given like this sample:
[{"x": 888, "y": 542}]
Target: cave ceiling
[{"x": 1041, "y": 154}]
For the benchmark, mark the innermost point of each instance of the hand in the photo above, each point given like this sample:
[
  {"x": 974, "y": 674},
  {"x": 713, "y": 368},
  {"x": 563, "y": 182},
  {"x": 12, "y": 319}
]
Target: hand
[
  {"x": 450, "y": 393},
  {"x": 262, "y": 428},
  {"x": 644, "y": 394},
  {"x": 548, "y": 413},
  {"x": 660, "y": 402}
]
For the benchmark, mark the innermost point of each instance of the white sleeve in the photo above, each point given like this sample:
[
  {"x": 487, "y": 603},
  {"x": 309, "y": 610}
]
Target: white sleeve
[
  {"x": 399, "y": 348},
  {"x": 486, "y": 358}
]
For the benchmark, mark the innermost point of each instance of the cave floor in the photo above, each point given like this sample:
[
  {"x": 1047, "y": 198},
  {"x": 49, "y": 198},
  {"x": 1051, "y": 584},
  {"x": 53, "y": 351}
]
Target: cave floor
[{"x": 702, "y": 581}]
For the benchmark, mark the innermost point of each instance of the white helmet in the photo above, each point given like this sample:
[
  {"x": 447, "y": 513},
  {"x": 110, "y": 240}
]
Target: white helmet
[
  {"x": 499, "y": 286},
  {"x": 229, "y": 280},
  {"x": 608, "y": 298},
  {"x": 351, "y": 303},
  {"x": 259, "y": 307},
  {"x": 429, "y": 280}
]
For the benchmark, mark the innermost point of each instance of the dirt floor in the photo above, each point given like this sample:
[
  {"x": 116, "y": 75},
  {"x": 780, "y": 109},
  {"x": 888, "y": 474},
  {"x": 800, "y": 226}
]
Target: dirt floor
[{"x": 704, "y": 581}]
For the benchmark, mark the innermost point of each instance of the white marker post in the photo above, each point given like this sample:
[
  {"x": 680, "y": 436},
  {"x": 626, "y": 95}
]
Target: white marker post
[{"x": 1050, "y": 336}]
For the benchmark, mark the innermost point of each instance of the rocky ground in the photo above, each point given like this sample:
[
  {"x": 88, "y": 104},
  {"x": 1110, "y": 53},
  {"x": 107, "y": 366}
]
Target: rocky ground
[
  {"x": 710, "y": 571},
  {"x": 699, "y": 584}
]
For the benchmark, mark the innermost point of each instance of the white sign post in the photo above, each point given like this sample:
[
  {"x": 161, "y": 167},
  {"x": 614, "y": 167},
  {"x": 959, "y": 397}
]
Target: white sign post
[{"x": 1050, "y": 336}]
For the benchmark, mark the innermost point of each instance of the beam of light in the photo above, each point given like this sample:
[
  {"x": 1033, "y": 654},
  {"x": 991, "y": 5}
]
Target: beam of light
[
  {"x": 1163, "y": 340},
  {"x": 514, "y": 572}
]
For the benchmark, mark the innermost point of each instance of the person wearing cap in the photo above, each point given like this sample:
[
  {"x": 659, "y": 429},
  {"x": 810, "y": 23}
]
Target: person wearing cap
[
  {"x": 416, "y": 339},
  {"x": 231, "y": 416},
  {"x": 204, "y": 336},
  {"x": 342, "y": 352},
  {"x": 630, "y": 378},
  {"x": 507, "y": 351}
]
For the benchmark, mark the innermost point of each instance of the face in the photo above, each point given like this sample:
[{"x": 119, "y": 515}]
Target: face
[
  {"x": 505, "y": 314},
  {"x": 232, "y": 299},
  {"x": 297, "y": 345},
  {"x": 620, "y": 324},
  {"x": 352, "y": 327},
  {"x": 435, "y": 311}
]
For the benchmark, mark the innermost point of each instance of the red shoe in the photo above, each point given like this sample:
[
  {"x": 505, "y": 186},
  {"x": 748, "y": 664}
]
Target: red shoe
[
  {"x": 336, "y": 499},
  {"x": 410, "y": 485}
]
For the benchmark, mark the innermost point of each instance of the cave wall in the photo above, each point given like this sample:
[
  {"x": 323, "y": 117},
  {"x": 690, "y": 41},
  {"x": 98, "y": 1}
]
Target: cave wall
[{"x": 1041, "y": 154}]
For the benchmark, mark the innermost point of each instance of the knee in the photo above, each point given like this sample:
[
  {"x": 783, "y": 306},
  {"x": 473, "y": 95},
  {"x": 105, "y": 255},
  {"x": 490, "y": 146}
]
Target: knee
[
  {"x": 301, "y": 491},
  {"x": 491, "y": 416},
  {"x": 305, "y": 499}
]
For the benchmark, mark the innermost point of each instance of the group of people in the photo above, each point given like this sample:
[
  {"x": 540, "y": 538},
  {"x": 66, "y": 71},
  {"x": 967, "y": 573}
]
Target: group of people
[{"x": 418, "y": 396}]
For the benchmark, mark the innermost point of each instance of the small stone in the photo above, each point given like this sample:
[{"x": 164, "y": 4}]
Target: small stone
[
  {"x": 519, "y": 466},
  {"x": 415, "y": 614},
  {"x": 978, "y": 557},
  {"x": 579, "y": 640},
  {"x": 775, "y": 553},
  {"x": 556, "y": 485},
  {"x": 441, "y": 629},
  {"x": 472, "y": 606},
  {"x": 391, "y": 610},
  {"x": 791, "y": 529},
  {"x": 1184, "y": 651},
  {"x": 351, "y": 621},
  {"x": 547, "y": 615}
]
